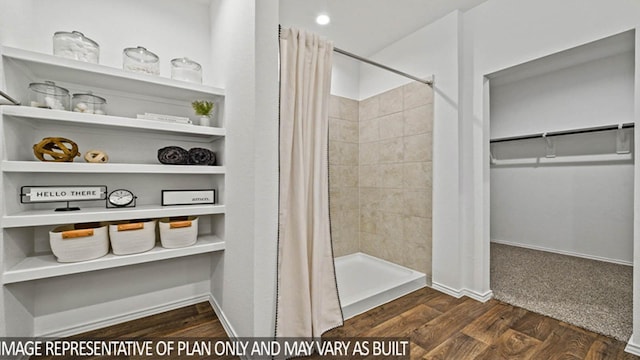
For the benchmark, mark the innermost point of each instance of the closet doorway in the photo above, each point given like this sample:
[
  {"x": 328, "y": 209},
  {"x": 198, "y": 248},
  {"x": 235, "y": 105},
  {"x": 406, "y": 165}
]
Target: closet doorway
[{"x": 562, "y": 185}]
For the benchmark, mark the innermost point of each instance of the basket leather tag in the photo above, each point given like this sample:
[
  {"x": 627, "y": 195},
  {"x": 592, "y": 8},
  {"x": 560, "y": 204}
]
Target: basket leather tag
[
  {"x": 134, "y": 226},
  {"x": 180, "y": 224},
  {"x": 72, "y": 234}
]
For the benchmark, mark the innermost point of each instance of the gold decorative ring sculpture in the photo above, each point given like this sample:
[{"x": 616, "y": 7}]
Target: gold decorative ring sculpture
[{"x": 59, "y": 149}]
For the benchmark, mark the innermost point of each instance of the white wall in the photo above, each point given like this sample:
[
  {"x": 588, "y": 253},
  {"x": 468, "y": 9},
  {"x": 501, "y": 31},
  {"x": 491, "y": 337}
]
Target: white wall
[
  {"x": 233, "y": 40},
  {"x": 503, "y": 33},
  {"x": 266, "y": 166},
  {"x": 582, "y": 210},
  {"x": 170, "y": 29},
  {"x": 598, "y": 92},
  {"x": 245, "y": 39},
  {"x": 345, "y": 77}
]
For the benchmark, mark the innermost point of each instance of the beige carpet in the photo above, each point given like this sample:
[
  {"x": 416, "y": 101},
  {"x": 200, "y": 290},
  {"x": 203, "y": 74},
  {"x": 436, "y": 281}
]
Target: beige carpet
[{"x": 591, "y": 294}]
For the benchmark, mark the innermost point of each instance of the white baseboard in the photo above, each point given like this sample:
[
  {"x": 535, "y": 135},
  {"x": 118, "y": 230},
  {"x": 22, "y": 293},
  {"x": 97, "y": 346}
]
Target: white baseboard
[
  {"x": 458, "y": 293},
  {"x": 482, "y": 297},
  {"x": 563, "y": 252},
  {"x": 632, "y": 348},
  {"x": 102, "y": 323},
  {"x": 223, "y": 319}
]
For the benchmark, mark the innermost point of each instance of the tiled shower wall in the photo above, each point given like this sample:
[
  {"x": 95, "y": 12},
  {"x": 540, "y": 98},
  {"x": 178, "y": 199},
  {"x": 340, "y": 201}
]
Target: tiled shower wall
[
  {"x": 343, "y": 175},
  {"x": 381, "y": 187}
]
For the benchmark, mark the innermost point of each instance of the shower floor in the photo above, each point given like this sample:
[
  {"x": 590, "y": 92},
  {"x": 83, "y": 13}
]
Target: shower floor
[{"x": 365, "y": 282}]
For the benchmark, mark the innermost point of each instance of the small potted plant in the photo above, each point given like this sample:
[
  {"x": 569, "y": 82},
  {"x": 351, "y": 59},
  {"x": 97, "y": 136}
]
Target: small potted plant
[{"x": 203, "y": 109}]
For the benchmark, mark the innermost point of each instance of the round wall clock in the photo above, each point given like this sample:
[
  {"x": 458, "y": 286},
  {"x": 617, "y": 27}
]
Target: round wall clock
[{"x": 121, "y": 198}]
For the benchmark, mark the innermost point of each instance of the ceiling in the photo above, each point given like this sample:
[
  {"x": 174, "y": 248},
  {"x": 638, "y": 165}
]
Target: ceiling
[{"x": 366, "y": 26}]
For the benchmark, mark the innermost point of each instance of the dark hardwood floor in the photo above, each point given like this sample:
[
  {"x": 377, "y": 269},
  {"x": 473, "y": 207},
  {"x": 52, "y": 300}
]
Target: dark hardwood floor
[
  {"x": 439, "y": 326},
  {"x": 443, "y": 327},
  {"x": 192, "y": 321}
]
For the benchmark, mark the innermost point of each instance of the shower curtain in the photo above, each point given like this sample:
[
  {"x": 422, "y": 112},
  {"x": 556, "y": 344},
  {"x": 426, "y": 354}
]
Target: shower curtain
[{"x": 307, "y": 302}]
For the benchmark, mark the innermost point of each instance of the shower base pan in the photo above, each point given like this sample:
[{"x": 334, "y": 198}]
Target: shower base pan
[{"x": 365, "y": 282}]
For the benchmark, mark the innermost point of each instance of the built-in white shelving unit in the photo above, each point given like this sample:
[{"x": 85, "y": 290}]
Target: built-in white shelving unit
[
  {"x": 50, "y": 217},
  {"x": 36, "y": 116},
  {"x": 109, "y": 168},
  {"x": 46, "y": 266},
  {"x": 132, "y": 146},
  {"x": 47, "y": 66}
]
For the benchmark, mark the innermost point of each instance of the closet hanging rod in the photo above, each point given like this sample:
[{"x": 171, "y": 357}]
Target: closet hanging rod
[
  {"x": 385, "y": 67},
  {"x": 562, "y": 132}
]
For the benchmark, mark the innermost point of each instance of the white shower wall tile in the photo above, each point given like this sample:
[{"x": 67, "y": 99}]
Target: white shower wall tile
[
  {"x": 390, "y": 175},
  {"x": 417, "y": 147},
  {"x": 417, "y": 203},
  {"x": 391, "y": 101},
  {"x": 369, "y": 175},
  {"x": 391, "y": 151},
  {"x": 348, "y": 109},
  {"x": 343, "y": 153},
  {"x": 416, "y": 94},
  {"x": 391, "y": 126},
  {"x": 369, "y": 130},
  {"x": 368, "y": 153},
  {"x": 394, "y": 136},
  {"x": 368, "y": 108},
  {"x": 343, "y": 130},
  {"x": 418, "y": 120},
  {"x": 417, "y": 175}
]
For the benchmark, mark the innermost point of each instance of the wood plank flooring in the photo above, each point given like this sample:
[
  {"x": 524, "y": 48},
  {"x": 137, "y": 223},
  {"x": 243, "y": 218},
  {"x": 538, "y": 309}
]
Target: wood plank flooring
[
  {"x": 443, "y": 327},
  {"x": 439, "y": 326}
]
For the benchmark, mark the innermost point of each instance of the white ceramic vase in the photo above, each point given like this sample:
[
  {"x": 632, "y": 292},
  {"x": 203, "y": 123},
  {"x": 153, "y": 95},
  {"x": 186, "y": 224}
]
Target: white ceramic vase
[{"x": 205, "y": 121}]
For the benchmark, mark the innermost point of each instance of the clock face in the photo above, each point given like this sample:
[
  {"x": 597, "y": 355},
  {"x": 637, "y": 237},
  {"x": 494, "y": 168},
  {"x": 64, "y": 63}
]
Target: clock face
[{"x": 121, "y": 197}]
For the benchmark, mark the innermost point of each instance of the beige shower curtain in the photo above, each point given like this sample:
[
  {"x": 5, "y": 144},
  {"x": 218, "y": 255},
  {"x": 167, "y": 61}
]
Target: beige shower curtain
[{"x": 307, "y": 303}]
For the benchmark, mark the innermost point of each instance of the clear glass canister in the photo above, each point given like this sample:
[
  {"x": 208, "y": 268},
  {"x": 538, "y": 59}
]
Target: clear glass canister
[
  {"x": 186, "y": 69},
  {"x": 74, "y": 45},
  {"x": 89, "y": 103},
  {"x": 48, "y": 95},
  {"x": 140, "y": 60}
]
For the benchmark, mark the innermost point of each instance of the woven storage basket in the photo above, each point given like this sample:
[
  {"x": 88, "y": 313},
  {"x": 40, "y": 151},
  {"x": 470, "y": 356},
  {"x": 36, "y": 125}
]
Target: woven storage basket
[
  {"x": 72, "y": 243},
  {"x": 132, "y": 237},
  {"x": 178, "y": 233}
]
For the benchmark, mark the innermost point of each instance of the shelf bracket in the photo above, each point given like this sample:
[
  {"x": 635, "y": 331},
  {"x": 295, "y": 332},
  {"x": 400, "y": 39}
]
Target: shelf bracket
[
  {"x": 623, "y": 141},
  {"x": 550, "y": 146}
]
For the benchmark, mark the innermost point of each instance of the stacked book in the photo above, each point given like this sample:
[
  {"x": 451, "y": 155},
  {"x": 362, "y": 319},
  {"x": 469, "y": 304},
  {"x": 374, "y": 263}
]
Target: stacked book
[{"x": 162, "y": 117}]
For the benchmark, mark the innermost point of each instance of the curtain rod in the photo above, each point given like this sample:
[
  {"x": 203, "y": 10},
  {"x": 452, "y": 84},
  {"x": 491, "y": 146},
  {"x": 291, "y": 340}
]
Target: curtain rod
[
  {"x": 371, "y": 62},
  {"x": 564, "y": 132}
]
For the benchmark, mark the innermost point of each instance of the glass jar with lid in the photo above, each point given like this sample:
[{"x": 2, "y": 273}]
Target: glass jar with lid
[
  {"x": 74, "y": 45},
  {"x": 186, "y": 69},
  {"x": 49, "y": 95},
  {"x": 89, "y": 103},
  {"x": 140, "y": 60}
]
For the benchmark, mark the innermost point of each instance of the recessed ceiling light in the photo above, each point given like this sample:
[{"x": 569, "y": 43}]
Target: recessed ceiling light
[{"x": 323, "y": 19}]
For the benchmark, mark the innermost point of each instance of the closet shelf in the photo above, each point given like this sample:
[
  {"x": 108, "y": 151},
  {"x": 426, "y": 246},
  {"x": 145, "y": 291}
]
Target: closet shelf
[
  {"x": 46, "y": 266},
  {"x": 109, "y": 168},
  {"x": 50, "y": 217},
  {"x": 108, "y": 121},
  {"x": 562, "y": 132},
  {"x": 45, "y": 66}
]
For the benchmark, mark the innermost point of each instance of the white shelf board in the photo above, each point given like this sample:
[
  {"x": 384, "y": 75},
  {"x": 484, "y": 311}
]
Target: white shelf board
[
  {"x": 598, "y": 49},
  {"x": 108, "y": 121},
  {"x": 45, "y": 66},
  {"x": 51, "y": 217},
  {"x": 109, "y": 168},
  {"x": 46, "y": 266}
]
